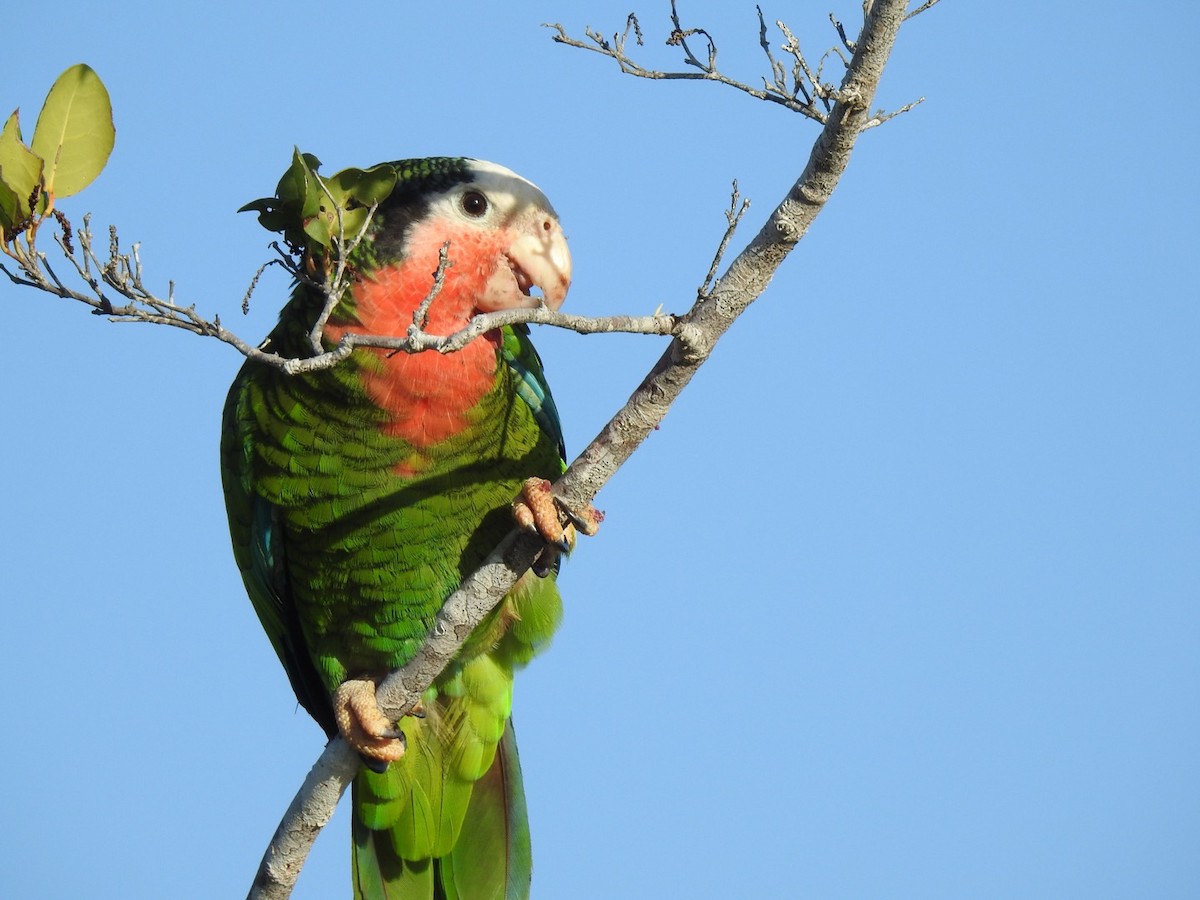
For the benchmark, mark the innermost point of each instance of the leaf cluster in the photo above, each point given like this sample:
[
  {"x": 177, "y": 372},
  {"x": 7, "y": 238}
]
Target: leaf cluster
[
  {"x": 71, "y": 143},
  {"x": 316, "y": 214}
]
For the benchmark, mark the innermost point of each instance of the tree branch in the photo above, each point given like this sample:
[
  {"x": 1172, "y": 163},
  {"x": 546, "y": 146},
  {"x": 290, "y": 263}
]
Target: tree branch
[
  {"x": 801, "y": 95},
  {"x": 120, "y": 275},
  {"x": 920, "y": 9},
  {"x": 695, "y": 335},
  {"x": 775, "y": 91}
]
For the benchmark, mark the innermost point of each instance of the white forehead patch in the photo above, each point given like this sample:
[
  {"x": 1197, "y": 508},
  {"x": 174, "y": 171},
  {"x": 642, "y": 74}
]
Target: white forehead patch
[{"x": 505, "y": 187}]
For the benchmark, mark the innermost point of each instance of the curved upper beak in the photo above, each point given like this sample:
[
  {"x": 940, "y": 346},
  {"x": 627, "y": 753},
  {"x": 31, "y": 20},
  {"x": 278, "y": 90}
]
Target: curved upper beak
[{"x": 540, "y": 258}]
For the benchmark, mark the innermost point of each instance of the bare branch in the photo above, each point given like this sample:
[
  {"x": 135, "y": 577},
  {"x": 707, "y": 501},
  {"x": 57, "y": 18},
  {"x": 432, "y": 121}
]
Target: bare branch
[
  {"x": 776, "y": 90},
  {"x": 122, "y": 275},
  {"x": 801, "y": 95},
  {"x": 421, "y": 313},
  {"x": 309, "y": 812},
  {"x": 799, "y": 67},
  {"x": 846, "y": 42},
  {"x": 418, "y": 340},
  {"x": 695, "y": 336},
  {"x": 879, "y": 117},
  {"x": 632, "y": 22},
  {"x": 818, "y": 88},
  {"x": 254, "y": 282},
  {"x": 678, "y": 38},
  {"x": 920, "y": 9},
  {"x": 733, "y": 217}
]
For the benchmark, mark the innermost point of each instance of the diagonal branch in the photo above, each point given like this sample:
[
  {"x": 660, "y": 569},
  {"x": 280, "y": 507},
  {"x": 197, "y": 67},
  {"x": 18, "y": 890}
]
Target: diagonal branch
[{"x": 694, "y": 338}]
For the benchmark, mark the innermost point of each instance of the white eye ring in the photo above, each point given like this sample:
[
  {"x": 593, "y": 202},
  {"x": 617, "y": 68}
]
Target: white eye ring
[{"x": 474, "y": 204}]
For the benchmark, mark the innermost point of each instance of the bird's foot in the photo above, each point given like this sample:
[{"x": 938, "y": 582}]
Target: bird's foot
[
  {"x": 363, "y": 725},
  {"x": 539, "y": 511}
]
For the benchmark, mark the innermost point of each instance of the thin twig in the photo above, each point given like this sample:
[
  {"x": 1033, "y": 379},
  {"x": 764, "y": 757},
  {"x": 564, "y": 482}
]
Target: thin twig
[
  {"x": 733, "y": 217},
  {"x": 791, "y": 45},
  {"x": 880, "y": 116},
  {"x": 772, "y": 92},
  {"x": 421, "y": 313},
  {"x": 678, "y": 38},
  {"x": 846, "y": 42},
  {"x": 920, "y": 9},
  {"x": 334, "y": 287},
  {"x": 778, "y": 73},
  {"x": 254, "y": 283}
]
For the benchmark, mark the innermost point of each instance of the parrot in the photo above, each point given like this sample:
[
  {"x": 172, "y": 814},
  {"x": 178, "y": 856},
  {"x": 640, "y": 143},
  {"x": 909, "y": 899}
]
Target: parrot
[{"x": 361, "y": 495}]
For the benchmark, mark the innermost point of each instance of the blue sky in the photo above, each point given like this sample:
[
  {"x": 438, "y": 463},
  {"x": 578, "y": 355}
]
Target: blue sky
[{"x": 901, "y": 600}]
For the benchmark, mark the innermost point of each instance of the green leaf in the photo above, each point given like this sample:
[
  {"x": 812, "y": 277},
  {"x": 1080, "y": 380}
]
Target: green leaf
[
  {"x": 306, "y": 206},
  {"x": 295, "y": 187},
  {"x": 352, "y": 191},
  {"x": 353, "y": 221},
  {"x": 12, "y": 128},
  {"x": 317, "y": 228},
  {"x": 20, "y": 172},
  {"x": 375, "y": 185},
  {"x": 261, "y": 205},
  {"x": 74, "y": 132},
  {"x": 364, "y": 187},
  {"x": 9, "y": 207}
]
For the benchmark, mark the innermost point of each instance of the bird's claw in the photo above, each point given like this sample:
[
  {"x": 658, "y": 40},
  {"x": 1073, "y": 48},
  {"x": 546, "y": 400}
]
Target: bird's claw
[
  {"x": 539, "y": 511},
  {"x": 586, "y": 522},
  {"x": 363, "y": 725}
]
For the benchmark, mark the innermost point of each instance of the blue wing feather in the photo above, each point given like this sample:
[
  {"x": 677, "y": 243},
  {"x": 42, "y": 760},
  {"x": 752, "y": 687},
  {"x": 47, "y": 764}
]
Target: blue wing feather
[{"x": 519, "y": 354}]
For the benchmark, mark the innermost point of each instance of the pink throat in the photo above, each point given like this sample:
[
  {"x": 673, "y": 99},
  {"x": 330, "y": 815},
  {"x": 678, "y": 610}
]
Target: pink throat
[{"x": 428, "y": 395}]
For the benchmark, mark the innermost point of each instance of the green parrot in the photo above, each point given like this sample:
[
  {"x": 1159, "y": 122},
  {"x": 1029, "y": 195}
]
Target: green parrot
[{"x": 359, "y": 497}]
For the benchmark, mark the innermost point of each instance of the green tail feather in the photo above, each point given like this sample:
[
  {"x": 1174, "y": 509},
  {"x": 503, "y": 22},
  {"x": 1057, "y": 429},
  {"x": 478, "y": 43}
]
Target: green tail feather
[{"x": 490, "y": 861}]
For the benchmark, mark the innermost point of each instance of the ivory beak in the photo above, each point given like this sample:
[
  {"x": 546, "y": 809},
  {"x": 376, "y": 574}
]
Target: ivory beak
[{"x": 537, "y": 258}]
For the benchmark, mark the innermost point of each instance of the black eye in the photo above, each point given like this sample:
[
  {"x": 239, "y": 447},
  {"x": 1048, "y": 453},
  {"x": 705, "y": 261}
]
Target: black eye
[{"x": 474, "y": 204}]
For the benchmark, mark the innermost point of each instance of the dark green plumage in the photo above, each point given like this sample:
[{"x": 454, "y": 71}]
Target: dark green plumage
[{"x": 359, "y": 497}]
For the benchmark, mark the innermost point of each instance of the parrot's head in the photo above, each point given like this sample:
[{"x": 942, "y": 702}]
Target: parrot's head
[
  {"x": 506, "y": 245},
  {"x": 505, "y": 250}
]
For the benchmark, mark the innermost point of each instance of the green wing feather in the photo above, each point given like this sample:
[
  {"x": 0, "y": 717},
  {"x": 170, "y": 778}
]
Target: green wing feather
[{"x": 496, "y": 827}]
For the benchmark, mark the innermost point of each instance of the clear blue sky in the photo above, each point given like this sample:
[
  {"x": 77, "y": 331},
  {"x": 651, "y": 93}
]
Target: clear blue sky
[{"x": 903, "y": 600}]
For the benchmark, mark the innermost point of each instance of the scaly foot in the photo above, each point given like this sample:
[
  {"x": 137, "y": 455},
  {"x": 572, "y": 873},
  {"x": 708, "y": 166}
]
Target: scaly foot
[
  {"x": 363, "y": 724},
  {"x": 539, "y": 511}
]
